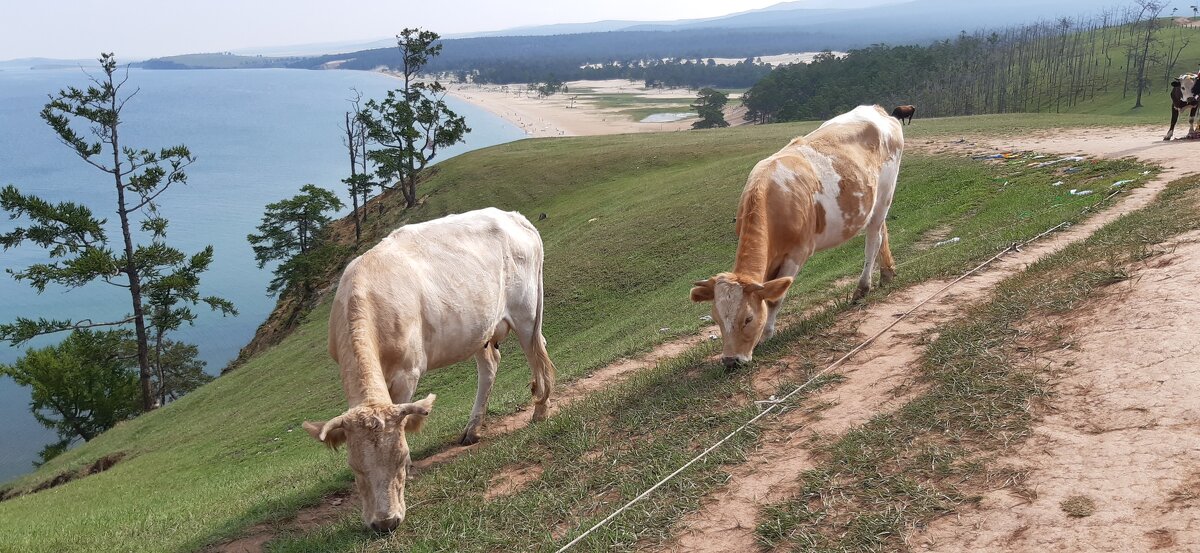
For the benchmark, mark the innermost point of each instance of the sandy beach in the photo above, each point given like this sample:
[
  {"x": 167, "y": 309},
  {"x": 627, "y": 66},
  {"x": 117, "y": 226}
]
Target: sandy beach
[
  {"x": 577, "y": 113},
  {"x": 570, "y": 114}
]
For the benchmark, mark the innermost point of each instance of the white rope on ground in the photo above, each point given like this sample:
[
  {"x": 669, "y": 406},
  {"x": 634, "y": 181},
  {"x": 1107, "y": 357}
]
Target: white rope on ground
[{"x": 775, "y": 404}]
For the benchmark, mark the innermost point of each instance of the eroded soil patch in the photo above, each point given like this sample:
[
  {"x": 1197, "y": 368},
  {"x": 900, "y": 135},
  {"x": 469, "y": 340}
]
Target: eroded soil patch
[
  {"x": 99, "y": 465},
  {"x": 512, "y": 480}
]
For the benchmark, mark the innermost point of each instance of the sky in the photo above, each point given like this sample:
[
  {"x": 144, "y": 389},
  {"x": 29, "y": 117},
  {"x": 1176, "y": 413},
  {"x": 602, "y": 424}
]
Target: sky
[{"x": 136, "y": 29}]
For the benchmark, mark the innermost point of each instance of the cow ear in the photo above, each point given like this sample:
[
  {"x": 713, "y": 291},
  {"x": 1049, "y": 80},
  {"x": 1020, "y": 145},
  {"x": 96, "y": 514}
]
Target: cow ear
[
  {"x": 702, "y": 291},
  {"x": 774, "y": 290},
  {"x": 330, "y": 433}
]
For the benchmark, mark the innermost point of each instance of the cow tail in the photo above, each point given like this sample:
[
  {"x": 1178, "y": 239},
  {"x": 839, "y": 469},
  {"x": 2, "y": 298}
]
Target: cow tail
[{"x": 540, "y": 363}]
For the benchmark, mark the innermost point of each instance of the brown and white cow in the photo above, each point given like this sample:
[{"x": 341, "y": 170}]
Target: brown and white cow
[
  {"x": 816, "y": 193},
  {"x": 427, "y": 296}
]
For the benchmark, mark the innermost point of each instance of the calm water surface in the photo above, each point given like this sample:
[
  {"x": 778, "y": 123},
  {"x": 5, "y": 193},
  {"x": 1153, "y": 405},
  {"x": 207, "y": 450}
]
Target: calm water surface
[{"x": 258, "y": 136}]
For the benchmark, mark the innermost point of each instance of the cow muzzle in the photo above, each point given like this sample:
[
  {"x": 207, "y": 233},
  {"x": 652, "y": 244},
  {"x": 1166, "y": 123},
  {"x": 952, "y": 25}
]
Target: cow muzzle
[
  {"x": 734, "y": 362},
  {"x": 385, "y": 525}
]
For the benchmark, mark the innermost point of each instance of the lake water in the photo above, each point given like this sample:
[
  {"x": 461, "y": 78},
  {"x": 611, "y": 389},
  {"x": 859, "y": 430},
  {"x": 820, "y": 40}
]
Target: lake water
[
  {"x": 258, "y": 136},
  {"x": 667, "y": 117}
]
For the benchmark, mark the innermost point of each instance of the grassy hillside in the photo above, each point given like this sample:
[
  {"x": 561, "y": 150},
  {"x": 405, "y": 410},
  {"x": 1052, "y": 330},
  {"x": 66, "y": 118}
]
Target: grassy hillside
[{"x": 632, "y": 220}]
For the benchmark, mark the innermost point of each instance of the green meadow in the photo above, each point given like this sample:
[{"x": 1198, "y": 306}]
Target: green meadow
[{"x": 631, "y": 221}]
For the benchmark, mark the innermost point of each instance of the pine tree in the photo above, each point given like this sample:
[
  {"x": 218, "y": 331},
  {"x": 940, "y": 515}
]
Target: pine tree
[
  {"x": 158, "y": 278},
  {"x": 293, "y": 233},
  {"x": 413, "y": 122}
]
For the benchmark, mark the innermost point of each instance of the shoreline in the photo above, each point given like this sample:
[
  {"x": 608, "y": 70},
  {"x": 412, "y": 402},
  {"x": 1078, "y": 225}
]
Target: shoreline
[
  {"x": 572, "y": 114},
  {"x": 556, "y": 115}
]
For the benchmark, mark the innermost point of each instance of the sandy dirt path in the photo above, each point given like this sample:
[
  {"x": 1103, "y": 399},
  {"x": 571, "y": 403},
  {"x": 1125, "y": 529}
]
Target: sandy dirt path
[{"x": 1120, "y": 437}]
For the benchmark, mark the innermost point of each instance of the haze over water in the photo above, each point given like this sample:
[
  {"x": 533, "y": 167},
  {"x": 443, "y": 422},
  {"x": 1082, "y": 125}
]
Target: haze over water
[{"x": 257, "y": 135}]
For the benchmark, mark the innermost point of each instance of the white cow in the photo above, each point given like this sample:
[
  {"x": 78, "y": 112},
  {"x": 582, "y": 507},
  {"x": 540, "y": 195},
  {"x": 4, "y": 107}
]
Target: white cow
[{"x": 427, "y": 296}]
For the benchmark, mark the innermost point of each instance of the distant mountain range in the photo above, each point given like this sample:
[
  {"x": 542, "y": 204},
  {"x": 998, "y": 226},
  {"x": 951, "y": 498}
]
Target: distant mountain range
[
  {"x": 797, "y": 26},
  {"x": 923, "y": 18}
]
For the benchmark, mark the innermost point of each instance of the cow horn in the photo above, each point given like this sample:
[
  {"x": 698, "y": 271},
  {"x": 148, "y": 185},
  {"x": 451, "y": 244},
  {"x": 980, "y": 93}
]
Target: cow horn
[
  {"x": 422, "y": 407},
  {"x": 706, "y": 282},
  {"x": 331, "y": 424}
]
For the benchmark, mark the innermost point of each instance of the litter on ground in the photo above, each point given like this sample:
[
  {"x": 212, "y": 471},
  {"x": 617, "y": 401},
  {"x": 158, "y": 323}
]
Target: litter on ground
[{"x": 1057, "y": 161}]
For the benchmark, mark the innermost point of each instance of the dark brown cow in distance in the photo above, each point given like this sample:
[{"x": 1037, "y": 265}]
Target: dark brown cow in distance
[{"x": 904, "y": 112}]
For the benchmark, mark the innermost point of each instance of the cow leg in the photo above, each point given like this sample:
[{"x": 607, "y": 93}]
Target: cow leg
[
  {"x": 877, "y": 236},
  {"x": 790, "y": 268},
  {"x": 533, "y": 344},
  {"x": 874, "y": 243},
  {"x": 1174, "y": 120},
  {"x": 887, "y": 265},
  {"x": 487, "y": 360},
  {"x": 1192, "y": 121},
  {"x": 400, "y": 389}
]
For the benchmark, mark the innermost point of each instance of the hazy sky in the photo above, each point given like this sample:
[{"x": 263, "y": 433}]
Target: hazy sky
[{"x": 146, "y": 28}]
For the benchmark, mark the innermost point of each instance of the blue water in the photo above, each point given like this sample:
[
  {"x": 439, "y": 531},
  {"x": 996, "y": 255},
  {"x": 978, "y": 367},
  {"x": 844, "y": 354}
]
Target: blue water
[{"x": 258, "y": 136}]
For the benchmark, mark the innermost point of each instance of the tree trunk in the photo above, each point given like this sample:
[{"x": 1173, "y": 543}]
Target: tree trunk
[
  {"x": 352, "y": 149},
  {"x": 135, "y": 281}
]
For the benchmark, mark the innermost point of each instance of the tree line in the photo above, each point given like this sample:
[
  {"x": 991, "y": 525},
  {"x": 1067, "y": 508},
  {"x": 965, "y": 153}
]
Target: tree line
[{"x": 1048, "y": 66}]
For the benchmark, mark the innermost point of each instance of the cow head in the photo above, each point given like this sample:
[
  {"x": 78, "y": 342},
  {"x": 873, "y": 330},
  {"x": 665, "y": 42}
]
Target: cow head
[
  {"x": 378, "y": 455},
  {"x": 740, "y": 311}
]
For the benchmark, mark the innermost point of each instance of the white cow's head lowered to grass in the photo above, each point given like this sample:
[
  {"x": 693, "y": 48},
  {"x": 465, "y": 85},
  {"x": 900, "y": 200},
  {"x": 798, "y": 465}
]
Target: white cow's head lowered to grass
[
  {"x": 378, "y": 454},
  {"x": 740, "y": 311}
]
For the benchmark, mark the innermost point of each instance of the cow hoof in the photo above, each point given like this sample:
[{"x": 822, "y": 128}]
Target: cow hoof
[
  {"x": 886, "y": 276},
  {"x": 540, "y": 412},
  {"x": 859, "y": 294},
  {"x": 468, "y": 439}
]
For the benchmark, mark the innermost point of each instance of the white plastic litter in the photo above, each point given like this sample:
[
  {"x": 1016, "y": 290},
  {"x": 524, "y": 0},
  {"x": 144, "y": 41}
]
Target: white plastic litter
[
  {"x": 706, "y": 318},
  {"x": 947, "y": 242},
  {"x": 1075, "y": 192},
  {"x": 1057, "y": 161},
  {"x": 1121, "y": 183},
  {"x": 1059, "y": 183}
]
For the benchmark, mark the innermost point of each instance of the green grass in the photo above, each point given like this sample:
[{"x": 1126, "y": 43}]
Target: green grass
[
  {"x": 902, "y": 470},
  {"x": 632, "y": 220}
]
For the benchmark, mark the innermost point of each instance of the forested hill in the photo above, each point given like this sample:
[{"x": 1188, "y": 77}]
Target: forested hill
[
  {"x": 1101, "y": 64},
  {"x": 513, "y": 59}
]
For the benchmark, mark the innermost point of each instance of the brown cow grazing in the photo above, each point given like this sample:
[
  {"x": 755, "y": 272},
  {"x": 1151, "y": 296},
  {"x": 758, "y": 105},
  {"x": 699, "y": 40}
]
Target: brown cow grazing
[
  {"x": 816, "y": 193},
  {"x": 904, "y": 112}
]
